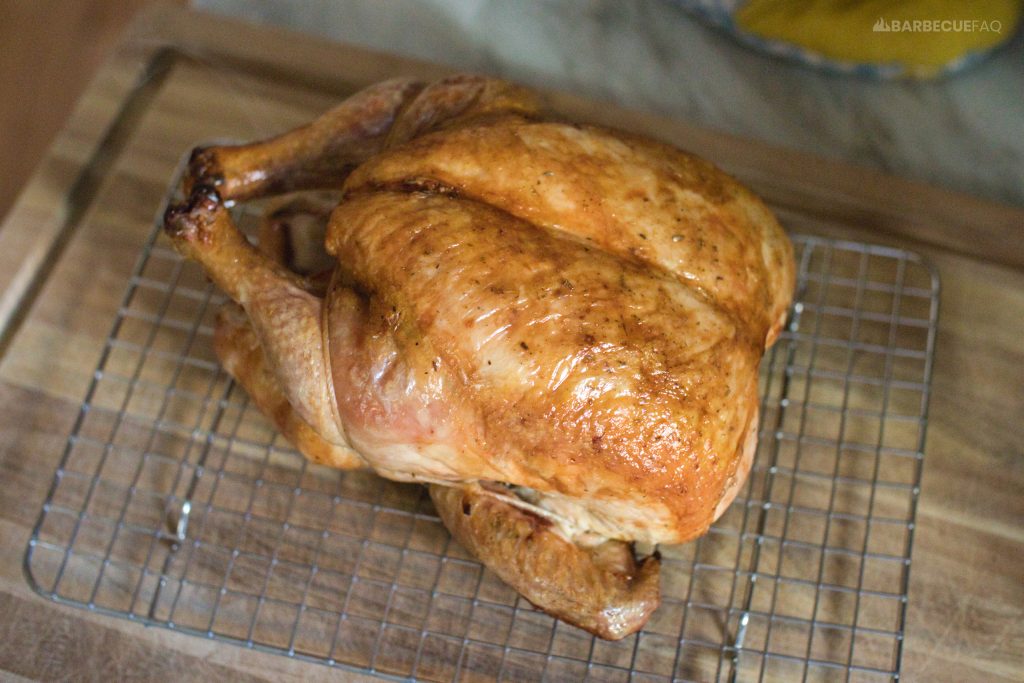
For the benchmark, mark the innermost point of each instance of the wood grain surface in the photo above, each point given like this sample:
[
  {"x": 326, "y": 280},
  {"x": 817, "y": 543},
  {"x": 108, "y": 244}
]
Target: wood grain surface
[
  {"x": 68, "y": 246},
  {"x": 51, "y": 50}
]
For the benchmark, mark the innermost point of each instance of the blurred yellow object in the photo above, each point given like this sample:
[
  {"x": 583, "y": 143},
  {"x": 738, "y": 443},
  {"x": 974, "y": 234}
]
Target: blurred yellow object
[{"x": 922, "y": 35}]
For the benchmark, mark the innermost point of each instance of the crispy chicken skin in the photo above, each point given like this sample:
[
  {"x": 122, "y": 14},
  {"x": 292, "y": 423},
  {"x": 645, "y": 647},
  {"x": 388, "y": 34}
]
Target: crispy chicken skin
[
  {"x": 601, "y": 588},
  {"x": 557, "y": 326}
]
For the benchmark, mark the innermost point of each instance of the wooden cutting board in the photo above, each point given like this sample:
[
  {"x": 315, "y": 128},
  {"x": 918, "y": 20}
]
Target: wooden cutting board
[{"x": 67, "y": 249}]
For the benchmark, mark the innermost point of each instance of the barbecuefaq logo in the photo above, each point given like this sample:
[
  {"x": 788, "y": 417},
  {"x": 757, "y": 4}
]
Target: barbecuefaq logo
[{"x": 937, "y": 26}]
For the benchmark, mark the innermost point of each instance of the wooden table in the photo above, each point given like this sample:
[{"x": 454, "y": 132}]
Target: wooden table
[
  {"x": 52, "y": 49},
  {"x": 68, "y": 247}
]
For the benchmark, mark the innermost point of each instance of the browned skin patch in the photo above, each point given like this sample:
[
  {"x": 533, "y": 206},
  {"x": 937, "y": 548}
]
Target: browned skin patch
[{"x": 602, "y": 589}]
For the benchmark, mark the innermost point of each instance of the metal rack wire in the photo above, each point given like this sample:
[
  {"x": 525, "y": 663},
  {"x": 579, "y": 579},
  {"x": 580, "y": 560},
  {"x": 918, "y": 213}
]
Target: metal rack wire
[{"x": 176, "y": 504}]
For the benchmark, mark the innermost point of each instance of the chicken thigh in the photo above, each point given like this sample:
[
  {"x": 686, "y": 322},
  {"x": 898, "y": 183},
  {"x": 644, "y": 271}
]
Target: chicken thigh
[{"x": 558, "y": 327}]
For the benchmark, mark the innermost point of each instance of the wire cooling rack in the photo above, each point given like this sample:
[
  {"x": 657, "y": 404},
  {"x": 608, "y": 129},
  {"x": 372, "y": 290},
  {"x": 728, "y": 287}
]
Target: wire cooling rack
[{"x": 177, "y": 504}]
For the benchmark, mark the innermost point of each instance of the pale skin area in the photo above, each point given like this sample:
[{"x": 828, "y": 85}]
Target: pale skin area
[{"x": 571, "y": 311}]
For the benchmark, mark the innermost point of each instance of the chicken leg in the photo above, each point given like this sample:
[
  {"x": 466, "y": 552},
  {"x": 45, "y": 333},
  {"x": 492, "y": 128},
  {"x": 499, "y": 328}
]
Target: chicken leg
[
  {"x": 318, "y": 155},
  {"x": 321, "y": 154},
  {"x": 284, "y": 314}
]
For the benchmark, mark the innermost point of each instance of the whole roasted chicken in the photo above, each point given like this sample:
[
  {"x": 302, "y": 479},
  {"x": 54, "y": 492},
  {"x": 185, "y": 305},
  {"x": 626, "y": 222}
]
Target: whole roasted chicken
[{"x": 556, "y": 326}]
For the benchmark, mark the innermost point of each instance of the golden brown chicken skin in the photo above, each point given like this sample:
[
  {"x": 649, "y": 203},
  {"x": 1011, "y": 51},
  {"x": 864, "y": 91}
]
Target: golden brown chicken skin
[
  {"x": 513, "y": 353},
  {"x": 557, "y": 326}
]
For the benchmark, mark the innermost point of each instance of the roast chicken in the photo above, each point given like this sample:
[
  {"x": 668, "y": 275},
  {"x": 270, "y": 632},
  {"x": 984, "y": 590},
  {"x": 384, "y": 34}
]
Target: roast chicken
[{"x": 557, "y": 327}]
